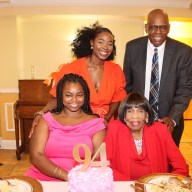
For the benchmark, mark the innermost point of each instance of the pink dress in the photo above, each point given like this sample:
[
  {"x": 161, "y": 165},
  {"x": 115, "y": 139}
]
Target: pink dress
[{"x": 62, "y": 139}]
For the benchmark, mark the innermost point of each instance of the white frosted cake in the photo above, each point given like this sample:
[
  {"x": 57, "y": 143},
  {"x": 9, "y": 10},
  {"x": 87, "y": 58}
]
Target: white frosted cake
[{"x": 93, "y": 179}]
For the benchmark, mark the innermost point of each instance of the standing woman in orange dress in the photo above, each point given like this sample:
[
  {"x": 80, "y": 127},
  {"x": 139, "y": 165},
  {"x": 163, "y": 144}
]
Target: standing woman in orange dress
[{"x": 94, "y": 47}]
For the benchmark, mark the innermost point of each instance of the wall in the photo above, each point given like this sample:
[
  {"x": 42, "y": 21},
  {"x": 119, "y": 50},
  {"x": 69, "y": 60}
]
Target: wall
[
  {"x": 41, "y": 37},
  {"x": 7, "y": 128},
  {"x": 46, "y": 39},
  {"x": 8, "y": 52},
  {"x": 43, "y": 41}
]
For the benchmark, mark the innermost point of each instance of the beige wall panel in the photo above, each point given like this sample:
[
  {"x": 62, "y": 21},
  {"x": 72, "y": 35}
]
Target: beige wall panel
[
  {"x": 8, "y": 52},
  {"x": 4, "y": 99}
]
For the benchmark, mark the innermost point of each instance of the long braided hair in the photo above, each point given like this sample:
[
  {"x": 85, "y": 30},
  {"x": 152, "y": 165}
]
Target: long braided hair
[
  {"x": 81, "y": 46},
  {"x": 74, "y": 78}
]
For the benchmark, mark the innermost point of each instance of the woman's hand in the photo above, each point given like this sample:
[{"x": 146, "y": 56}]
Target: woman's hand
[
  {"x": 112, "y": 112},
  {"x": 49, "y": 106},
  {"x": 34, "y": 124}
]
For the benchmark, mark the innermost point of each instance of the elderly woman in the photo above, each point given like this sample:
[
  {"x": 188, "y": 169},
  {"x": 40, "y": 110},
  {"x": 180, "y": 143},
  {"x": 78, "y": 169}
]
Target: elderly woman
[{"x": 136, "y": 145}]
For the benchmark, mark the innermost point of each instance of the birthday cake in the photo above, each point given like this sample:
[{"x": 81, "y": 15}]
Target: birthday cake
[{"x": 93, "y": 179}]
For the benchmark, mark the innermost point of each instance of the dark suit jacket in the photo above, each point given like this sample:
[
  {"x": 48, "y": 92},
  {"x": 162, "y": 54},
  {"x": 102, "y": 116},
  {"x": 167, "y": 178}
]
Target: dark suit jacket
[{"x": 176, "y": 78}]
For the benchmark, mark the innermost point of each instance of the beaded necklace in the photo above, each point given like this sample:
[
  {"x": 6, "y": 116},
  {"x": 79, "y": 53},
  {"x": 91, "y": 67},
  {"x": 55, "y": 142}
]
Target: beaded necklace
[{"x": 138, "y": 144}]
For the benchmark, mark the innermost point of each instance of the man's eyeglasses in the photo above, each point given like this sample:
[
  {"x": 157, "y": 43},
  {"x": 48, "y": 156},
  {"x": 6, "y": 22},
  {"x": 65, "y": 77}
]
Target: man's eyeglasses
[{"x": 154, "y": 28}]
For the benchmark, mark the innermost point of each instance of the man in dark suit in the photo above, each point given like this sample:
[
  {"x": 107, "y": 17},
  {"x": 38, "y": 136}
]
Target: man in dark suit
[{"x": 175, "y": 71}]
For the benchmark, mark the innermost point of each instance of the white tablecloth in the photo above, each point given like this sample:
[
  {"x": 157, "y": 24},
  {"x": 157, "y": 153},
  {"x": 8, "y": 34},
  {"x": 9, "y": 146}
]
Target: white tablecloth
[{"x": 63, "y": 186}]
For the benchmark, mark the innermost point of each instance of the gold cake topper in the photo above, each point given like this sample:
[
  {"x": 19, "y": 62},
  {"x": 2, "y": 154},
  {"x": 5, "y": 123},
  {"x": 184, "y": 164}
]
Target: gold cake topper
[{"x": 87, "y": 161}]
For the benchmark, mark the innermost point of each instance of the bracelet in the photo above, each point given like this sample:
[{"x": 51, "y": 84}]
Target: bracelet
[
  {"x": 55, "y": 170},
  {"x": 39, "y": 113},
  {"x": 59, "y": 172}
]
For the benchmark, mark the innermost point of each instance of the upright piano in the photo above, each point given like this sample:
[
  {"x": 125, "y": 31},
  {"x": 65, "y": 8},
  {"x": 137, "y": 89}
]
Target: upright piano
[{"x": 33, "y": 96}]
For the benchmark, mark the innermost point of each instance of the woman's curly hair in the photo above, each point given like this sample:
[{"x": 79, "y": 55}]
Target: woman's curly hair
[
  {"x": 81, "y": 46},
  {"x": 72, "y": 78}
]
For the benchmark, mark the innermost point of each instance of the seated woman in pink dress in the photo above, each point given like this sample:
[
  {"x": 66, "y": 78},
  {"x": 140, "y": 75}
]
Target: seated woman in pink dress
[
  {"x": 136, "y": 145},
  {"x": 71, "y": 122}
]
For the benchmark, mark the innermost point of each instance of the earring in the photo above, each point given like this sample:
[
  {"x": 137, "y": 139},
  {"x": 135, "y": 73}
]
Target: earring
[
  {"x": 147, "y": 120},
  {"x": 124, "y": 120},
  {"x": 91, "y": 47}
]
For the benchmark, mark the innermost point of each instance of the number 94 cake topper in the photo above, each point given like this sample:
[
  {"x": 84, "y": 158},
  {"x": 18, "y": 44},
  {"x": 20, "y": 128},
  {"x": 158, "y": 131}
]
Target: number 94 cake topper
[{"x": 87, "y": 161}]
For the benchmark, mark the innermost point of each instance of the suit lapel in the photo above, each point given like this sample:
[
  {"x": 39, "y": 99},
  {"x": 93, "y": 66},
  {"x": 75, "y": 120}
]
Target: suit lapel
[
  {"x": 168, "y": 55},
  {"x": 143, "y": 57}
]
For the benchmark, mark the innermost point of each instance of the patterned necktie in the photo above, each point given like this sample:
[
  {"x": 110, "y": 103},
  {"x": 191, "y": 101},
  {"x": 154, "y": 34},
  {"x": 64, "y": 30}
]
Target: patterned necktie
[{"x": 154, "y": 86}]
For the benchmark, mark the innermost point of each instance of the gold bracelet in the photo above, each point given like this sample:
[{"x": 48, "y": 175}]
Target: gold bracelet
[
  {"x": 55, "y": 170},
  {"x": 39, "y": 113},
  {"x": 59, "y": 172}
]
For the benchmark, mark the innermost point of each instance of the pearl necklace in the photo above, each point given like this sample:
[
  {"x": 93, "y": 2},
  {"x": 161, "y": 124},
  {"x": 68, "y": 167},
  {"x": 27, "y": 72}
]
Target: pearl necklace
[{"x": 138, "y": 144}]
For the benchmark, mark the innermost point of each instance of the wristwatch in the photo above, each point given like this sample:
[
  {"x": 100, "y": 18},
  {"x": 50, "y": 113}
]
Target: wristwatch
[{"x": 39, "y": 113}]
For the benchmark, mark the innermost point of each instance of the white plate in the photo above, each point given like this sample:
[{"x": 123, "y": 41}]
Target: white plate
[
  {"x": 19, "y": 185},
  {"x": 158, "y": 179},
  {"x": 148, "y": 182}
]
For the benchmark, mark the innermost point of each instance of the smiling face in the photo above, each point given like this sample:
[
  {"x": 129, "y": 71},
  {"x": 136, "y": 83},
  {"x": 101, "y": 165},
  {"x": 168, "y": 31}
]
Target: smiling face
[
  {"x": 157, "y": 27},
  {"x": 135, "y": 118},
  {"x": 73, "y": 96},
  {"x": 103, "y": 45}
]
